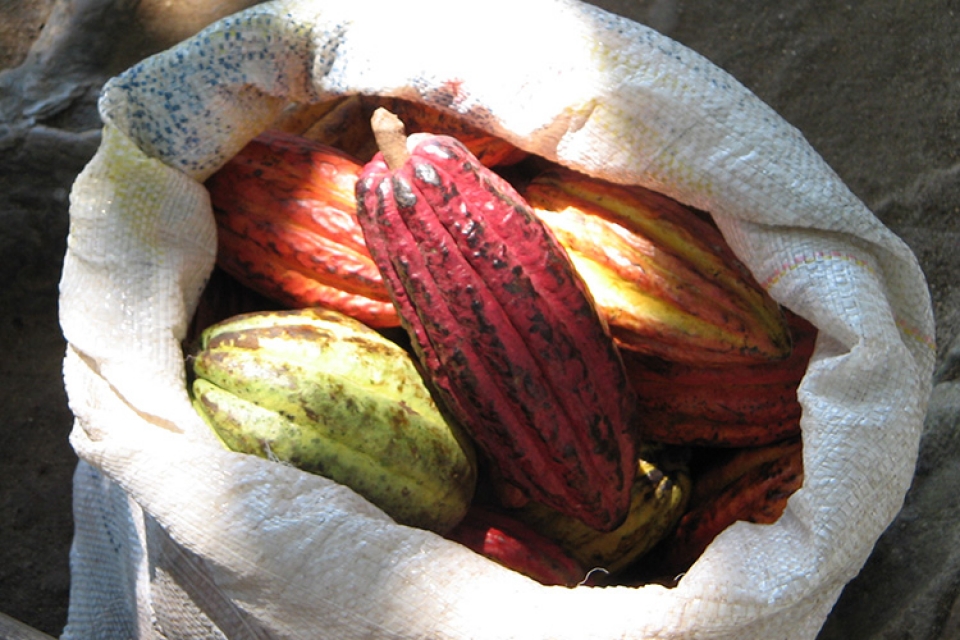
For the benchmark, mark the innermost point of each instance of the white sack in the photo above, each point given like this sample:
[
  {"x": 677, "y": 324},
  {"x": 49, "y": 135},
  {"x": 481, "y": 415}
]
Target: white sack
[{"x": 178, "y": 538}]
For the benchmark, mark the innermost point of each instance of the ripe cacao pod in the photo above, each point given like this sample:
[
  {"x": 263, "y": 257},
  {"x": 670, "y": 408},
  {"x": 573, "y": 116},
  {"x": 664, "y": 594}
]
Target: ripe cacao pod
[
  {"x": 329, "y": 395},
  {"x": 658, "y": 499},
  {"x": 346, "y": 126},
  {"x": 728, "y": 406},
  {"x": 664, "y": 278},
  {"x": 286, "y": 222},
  {"x": 515, "y": 545},
  {"x": 503, "y": 326},
  {"x": 298, "y": 117},
  {"x": 717, "y": 469},
  {"x": 489, "y": 150},
  {"x": 751, "y": 486}
]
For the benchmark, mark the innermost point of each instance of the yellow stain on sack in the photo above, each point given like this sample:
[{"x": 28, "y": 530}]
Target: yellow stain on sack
[
  {"x": 138, "y": 185},
  {"x": 138, "y": 253},
  {"x": 140, "y": 208}
]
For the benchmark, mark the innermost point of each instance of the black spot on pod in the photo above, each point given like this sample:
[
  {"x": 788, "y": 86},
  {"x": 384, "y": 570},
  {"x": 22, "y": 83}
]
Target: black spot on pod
[{"x": 403, "y": 193}]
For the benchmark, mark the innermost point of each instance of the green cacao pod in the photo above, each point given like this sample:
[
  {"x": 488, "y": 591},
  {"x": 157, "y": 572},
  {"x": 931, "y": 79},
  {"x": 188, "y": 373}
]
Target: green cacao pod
[{"x": 318, "y": 390}]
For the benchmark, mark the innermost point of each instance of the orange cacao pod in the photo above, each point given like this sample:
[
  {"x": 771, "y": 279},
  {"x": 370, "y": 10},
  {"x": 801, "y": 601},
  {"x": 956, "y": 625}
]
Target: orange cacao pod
[
  {"x": 489, "y": 150},
  {"x": 345, "y": 124},
  {"x": 730, "y": 406},
  {"x": 286, "y": 221},
  {"x": 751, "y": 486},
  {"x": 663, "y": 277}
]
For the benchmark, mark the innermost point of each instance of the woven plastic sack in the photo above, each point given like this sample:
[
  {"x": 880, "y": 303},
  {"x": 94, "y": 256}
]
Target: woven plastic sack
[{"x": 179, "y": 538}]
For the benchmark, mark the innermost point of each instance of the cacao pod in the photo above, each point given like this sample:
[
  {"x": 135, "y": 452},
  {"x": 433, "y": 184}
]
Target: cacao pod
[
  {"x": 327, "y": 394},
  {"x": 515, "y": 545},
  {"x": 658, "y": 499},
  {"x": 222, "y": 297},
  {"x": 503, "y": 326},
  {"x": 664, "y": 278},
  {"x": 751, "y": 486},
  {"x": 729, "y": 406},
  {"x": 286, "y": 222},
  {"x": 489, "y": 150},
  {"x": 720, "y": 468},
  {"x": 347, "y": 126},
  {"x": 298, "y": 117},
  {"x": 679, "y": 429}
]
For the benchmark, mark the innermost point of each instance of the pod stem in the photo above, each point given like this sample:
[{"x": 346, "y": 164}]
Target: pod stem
[{"x": 391, "y": 137}]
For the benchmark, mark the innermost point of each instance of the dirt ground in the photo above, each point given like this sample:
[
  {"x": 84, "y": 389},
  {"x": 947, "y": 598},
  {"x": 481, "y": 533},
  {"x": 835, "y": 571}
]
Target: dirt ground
[{"x": 874, "y": 86}]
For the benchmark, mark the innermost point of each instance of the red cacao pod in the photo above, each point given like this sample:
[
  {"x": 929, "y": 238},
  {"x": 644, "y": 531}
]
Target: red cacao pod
[
  {"x": 517, "y": 546},
  {"x": 504, "y": 327}
]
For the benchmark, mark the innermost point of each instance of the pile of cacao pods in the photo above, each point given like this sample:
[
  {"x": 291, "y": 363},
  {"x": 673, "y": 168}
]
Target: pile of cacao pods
[{"x": 576, "y": 379}]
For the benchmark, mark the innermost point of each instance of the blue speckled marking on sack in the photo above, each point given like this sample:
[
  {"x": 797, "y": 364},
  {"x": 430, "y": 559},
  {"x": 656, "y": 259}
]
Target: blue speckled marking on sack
[{"x": 166, "y": 105}]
